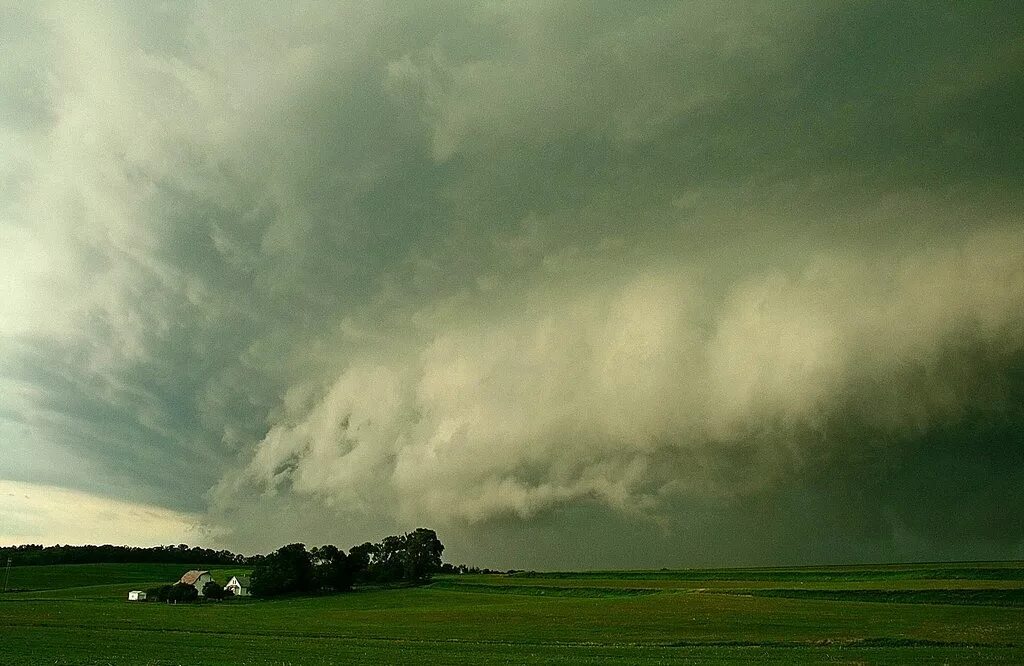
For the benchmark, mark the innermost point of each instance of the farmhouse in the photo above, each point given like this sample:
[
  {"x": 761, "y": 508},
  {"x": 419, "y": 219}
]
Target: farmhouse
[
  {"x": 196, "y": 578},
  {"x": 136, "y": 595},
  {"x": 239, "y": 586}
]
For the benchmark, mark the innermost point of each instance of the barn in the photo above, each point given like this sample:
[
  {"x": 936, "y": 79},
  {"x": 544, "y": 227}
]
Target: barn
[
  {"x": 136, "y": 595},
  {"x": 196, "y": 578},
  {"x": 239, "y": 586}
]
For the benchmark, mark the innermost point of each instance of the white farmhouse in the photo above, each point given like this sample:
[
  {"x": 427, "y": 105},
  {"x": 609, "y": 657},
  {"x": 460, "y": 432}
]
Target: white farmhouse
[
  {"x": 196, "y": 578},
  {"x": 239, "y": 586},
  {"x": 136, "y": 595}
]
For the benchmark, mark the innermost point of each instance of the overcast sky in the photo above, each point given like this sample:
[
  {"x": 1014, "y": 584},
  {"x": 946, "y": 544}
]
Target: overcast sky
[{"x": 575, "y": 284}]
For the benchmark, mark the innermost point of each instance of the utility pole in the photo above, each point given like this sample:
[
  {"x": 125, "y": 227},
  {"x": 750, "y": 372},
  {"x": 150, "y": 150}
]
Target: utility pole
[{"x": 7, "y": 575}]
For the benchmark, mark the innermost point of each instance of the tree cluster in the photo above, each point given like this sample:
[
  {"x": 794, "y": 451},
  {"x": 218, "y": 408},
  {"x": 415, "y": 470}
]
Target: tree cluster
[
  {"x": 179, "y": 593},
  {"x": 410, "y": 557},
  {"x": 184, "y": 593},
  {"x": 460, "y": 569}
]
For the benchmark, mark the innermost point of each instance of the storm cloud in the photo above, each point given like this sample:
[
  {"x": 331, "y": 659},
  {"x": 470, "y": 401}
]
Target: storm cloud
[{"x": 574, "y": 284}]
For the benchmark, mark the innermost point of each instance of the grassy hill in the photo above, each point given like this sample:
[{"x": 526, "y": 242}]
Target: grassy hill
[{"x": 961, "y": 613}]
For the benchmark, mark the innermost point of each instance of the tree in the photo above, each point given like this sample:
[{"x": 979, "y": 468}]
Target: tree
[
  {"x": 213, "y": 590},
  {"x": 288, "y": 570},
  {"x": 422, "y": 554},
  {"x": 159, "y": 593},
  {"x": 389, "y": 559},
  {"x": 359, "y": 558},
  {"x": 331, "y": 570},
  {"x": 182, "y": 593}
]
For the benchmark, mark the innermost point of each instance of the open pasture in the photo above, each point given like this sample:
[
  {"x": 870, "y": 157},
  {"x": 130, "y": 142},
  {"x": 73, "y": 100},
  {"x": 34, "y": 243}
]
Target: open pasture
[{"x": 961, "y": 613}]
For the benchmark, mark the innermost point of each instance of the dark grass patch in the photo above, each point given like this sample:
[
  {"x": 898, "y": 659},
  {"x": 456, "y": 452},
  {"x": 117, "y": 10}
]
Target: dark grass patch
[
  {"x": 878, "y": 642},
  {"x": 543, "y": 591},
  {"x": 958, "y": 571},
  {"x": 983, "y": 597}
]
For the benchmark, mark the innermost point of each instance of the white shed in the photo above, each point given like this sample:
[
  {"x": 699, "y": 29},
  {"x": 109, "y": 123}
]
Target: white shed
[
  {"x": 136, "y": 595},
  {"x": 196, "y": 578},
  {"x": 239, "y": 586}
]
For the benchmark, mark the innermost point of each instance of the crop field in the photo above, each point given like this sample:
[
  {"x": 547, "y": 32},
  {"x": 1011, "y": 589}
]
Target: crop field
[{"x": 901, "y": 614}]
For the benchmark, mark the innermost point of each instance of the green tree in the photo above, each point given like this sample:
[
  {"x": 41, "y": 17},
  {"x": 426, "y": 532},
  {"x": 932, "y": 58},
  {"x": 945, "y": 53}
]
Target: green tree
[
  {"x": 288, "y": 570},
  {"x": 389, "y": 559},
  {"x": 331, "y": 570},
  {"x": 213, "y": 590},
  {"x": 422, "y": 554},
  {"x": 359, "y": 559},
  {"x": 160, "y": 593},
  {"x": 182, "y": 593}
]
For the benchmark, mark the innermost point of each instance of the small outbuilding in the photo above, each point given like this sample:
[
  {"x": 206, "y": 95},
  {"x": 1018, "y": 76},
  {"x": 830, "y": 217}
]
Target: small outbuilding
[
  {"x": 136, "y": 595},
  {"x": 196, "y": 578},
  {"x": 239, "y": 586}
]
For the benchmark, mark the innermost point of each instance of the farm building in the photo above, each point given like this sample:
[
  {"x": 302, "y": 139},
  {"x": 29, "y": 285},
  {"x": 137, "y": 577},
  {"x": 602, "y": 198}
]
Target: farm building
[
  {"x": 196, "y": 578},
  {"x": 239, "y": 586},
  {"x": 136, "y": 595}
]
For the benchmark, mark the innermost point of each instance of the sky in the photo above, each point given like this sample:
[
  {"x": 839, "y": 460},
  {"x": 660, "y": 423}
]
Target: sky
[{"x": 575, "y": 284}]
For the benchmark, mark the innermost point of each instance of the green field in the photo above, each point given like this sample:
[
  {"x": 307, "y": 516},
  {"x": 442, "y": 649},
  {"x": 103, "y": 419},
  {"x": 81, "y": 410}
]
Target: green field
[{"x": 935, "y": 613}]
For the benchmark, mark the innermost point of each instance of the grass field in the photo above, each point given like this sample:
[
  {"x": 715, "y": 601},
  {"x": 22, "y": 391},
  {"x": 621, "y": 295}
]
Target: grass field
[{"x": 957, "y": 613}]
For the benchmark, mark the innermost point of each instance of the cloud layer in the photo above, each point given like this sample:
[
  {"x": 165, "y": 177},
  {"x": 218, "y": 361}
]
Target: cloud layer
[
  {"x": 631, "y": 392},
  {"x": 732, "y": 283}
]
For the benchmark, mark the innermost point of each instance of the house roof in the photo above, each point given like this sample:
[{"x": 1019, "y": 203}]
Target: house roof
[
  {"x": 242, "y": 580},
  {"x": 191, "y": 577}
]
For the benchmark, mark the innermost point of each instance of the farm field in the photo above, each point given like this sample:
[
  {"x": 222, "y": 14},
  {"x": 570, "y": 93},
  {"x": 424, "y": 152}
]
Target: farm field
[{"x": 935, "y": 613}]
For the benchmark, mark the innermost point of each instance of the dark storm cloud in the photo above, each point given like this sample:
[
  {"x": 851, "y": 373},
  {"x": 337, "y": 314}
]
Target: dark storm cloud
[{"x": 740, "y": 282}]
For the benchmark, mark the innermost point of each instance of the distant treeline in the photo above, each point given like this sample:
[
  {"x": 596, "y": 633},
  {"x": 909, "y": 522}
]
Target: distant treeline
[{"x": 181, "y": 554}]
